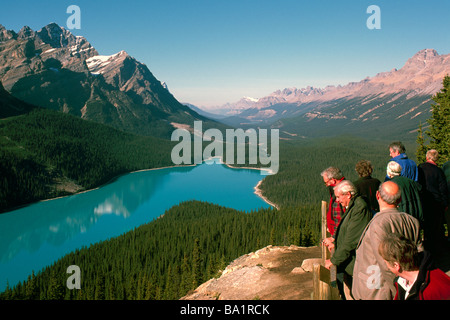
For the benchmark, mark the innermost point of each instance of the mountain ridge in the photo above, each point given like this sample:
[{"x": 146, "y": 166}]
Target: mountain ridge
[
  {"x": 52, "y": 68},
  {"x": 391, "y": 103},
  {"x": 425, "y": 67}
]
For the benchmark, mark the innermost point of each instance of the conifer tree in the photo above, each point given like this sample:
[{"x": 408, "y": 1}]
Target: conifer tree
[
  {"x": 100, "y": 287},
  {"x": 112, "y": 289},
  {"x": 7, "y": 294},
  {"x": 168, "y": 288},
  {"x": 31, "y": 288},
  {"x": 421, "y": 149},
  {"x": 439, "y": 130},
  {"x": 196, "y": 264},
  {"x": 56, "y": 290},
  {"x": 186, "y": 276}
]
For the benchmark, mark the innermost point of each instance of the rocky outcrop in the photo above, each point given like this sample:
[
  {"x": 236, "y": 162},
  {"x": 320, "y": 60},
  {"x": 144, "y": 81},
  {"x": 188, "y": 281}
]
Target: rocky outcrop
[
  {"x": 271, "y": 273},
  {"x": 274, "y": 273},
  {"x": 52, "y": 68}
]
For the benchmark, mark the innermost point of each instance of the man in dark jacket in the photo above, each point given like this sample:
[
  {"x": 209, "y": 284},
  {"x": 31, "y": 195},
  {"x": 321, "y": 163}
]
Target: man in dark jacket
[
  {"x": 446, "y": 169},
  {"x": 417, "y": 277},
  {"x": 435, "y": 203},
  {"x": 357, "y": 215}
]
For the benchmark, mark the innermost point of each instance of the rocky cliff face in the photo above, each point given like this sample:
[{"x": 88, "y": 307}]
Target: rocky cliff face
[
  {"x": 271, "y": 273},
  {"x": 53, "y": 68},
  {"x": 29, "y": 52}
]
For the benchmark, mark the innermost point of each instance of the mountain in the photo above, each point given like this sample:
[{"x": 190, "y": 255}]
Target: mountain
[
  {"x": 46, "y": 153},
  {"x": 399, "y": 99},
  {"x": 230, "y": 109},
  {"x": 205, "y": 113},
  {"x": 11, "y": 106},
  {"x": 53, "y": 68}
]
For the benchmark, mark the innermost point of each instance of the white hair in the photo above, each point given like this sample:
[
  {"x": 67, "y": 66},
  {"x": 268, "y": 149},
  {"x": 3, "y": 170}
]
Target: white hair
[
  {"x": 332, "y": 173},
  {"x": 345, "y": 187},
  {"x": 393, "y": 169}
]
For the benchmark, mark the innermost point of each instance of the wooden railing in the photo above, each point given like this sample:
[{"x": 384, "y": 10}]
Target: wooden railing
[{"x": 324, "y": 280}]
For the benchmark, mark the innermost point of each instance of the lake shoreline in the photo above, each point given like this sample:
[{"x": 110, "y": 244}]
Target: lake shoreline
[{"x": 257, "y": 189}]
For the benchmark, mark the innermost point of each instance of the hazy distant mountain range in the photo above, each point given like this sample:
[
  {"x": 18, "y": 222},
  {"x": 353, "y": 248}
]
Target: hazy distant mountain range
[
  {"x": 390, "y": 103},
  {"x": 53, "y": 68}
]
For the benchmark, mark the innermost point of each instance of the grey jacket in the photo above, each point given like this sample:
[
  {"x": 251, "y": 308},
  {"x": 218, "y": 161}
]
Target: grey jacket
[{"x": 372, "y": 280}]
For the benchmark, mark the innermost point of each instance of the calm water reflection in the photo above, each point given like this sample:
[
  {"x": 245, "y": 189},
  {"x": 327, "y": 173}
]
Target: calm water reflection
[{"x": 36, "y": 236}]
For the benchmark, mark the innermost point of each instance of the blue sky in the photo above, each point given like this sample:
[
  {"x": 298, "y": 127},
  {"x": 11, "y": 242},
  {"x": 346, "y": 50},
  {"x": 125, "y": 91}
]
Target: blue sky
[{"x": 210, "y": 52}]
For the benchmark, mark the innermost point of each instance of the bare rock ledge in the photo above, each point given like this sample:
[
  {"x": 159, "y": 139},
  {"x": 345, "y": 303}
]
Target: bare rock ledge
[{"x": 271, "y": 273}]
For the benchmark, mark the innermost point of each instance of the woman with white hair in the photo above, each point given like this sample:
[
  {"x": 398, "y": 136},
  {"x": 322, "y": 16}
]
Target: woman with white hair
[
  {"x": 393, "y": 169},
  {"x": 411, "y": 199}
]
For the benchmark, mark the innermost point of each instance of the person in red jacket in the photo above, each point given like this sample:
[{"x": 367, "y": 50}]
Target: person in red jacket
[
  {"x": 332, "y": 176},
  {"x": 417, "y": 277}
]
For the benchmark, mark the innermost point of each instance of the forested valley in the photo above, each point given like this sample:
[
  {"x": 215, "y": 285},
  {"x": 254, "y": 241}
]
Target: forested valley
[
  {"x": 171, "y": 255},
  {"x": 193, "y": 241},
  {"x": 43, "y": 150}
]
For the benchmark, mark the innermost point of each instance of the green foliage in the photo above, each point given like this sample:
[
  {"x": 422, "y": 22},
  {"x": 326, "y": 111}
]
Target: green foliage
[
  {"x": 438, "y": 131},
  {"x": 298, "y": 180},
  {"x": 43, "y": 145},
  {"x": 421, "y": 149},
  {"x": 191, "y": 242},
  {"x": 173, "y": 254}
]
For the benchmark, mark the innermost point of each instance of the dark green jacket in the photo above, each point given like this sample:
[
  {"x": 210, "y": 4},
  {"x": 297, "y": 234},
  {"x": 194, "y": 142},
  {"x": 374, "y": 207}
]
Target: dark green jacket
[
  {"x": 411, "y": 201},
  {"x": 352, "y": 225}
]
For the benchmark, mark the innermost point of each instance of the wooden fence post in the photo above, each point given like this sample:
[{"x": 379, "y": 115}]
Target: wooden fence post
[
  {"x": 325, "y": 233},
  {"x": 324, "y": 280}
]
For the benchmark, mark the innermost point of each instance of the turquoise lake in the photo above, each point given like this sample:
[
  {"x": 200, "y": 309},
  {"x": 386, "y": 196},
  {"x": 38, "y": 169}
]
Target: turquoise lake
[{"x": 35, "y": 236}]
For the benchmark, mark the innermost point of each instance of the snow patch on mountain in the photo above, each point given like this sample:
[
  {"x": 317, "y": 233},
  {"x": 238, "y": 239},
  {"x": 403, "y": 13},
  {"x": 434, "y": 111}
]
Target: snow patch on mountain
[
  {"x": 97, "y": 64},
  {"x": 251, "y": 99}
]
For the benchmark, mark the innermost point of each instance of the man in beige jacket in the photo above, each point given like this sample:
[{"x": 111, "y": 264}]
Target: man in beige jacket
[{"x": 372, "y": 280}]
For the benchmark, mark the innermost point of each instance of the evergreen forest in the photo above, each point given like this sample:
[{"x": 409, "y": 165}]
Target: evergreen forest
[
  {"x": 171, "y": 255},
  {"x": 43, "y": 150},
  {"x": 193, "y": 241}
]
